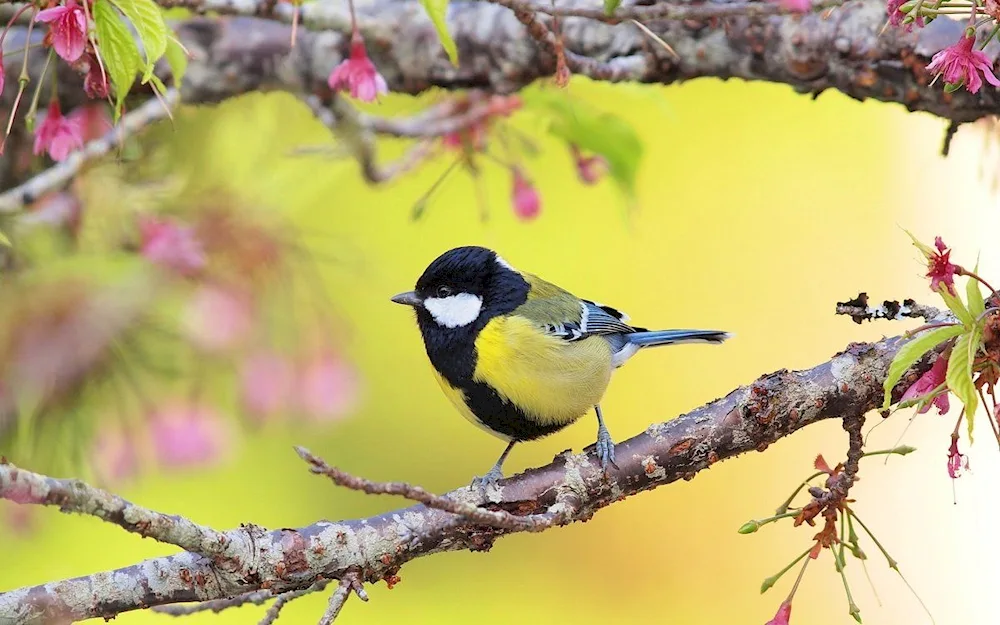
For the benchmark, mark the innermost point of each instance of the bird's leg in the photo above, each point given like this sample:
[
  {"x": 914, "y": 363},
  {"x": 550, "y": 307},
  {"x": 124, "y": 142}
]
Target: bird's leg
[
  {"x": 605, "y": 446},
  {"x": 496, "y": 473}
]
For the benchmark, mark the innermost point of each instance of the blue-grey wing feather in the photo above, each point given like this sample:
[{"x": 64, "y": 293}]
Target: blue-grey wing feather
[{"x": 595, "y": 319}]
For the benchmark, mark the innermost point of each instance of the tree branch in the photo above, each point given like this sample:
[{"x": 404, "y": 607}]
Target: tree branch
[
  {"x": 840, "y": 49},
  {"x": 747, "y": 419}
]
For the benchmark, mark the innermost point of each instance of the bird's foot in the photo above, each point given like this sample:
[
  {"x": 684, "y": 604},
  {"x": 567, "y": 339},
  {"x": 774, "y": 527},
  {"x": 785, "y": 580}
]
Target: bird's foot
[
  {"x": 605, "y": 448},
  {"x": 485, "y": 482}
]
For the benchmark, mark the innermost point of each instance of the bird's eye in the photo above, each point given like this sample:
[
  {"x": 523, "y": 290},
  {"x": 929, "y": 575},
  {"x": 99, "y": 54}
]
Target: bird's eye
[{"x": 443, "y": 291}]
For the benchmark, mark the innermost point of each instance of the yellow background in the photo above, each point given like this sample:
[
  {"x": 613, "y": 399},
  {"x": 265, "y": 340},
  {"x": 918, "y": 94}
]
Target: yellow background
[{"x": 758, "y": 210}]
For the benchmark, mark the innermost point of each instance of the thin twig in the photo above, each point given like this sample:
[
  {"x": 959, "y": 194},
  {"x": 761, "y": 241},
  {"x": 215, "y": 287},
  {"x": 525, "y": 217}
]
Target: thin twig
[
  {"x": 26, "y": 487},
  {"x": 494, "y": 518},
  {"x": 351, "y": 582},
  {"x": 216, "y": 605},
  {"x": 275, "y": 610}
]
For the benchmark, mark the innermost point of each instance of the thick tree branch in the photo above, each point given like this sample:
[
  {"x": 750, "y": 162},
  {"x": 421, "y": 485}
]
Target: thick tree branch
[
  {"x": 504, "y": 48},
  {"x": 811, "y": 52},
  {"x": 747, "y": 419}
]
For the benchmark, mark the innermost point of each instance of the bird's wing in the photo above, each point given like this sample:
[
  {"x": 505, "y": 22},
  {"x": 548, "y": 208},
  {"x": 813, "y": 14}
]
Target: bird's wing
[{"x": 562, "y": 314}]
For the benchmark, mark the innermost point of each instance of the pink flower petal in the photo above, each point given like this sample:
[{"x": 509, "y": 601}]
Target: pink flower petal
[
  {"x": 524, "y": 196},
  {"x": 187, "y": 435},
  {"x": 327, "y": 387},
  {"x": 217, "y": 318},
  {"x": 114, "y": 455},
  {"x": 268, "y": 383}
]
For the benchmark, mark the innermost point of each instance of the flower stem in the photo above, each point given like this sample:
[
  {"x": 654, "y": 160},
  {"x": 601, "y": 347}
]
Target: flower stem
[
  {"x": 852, "y": 607},
  {"x": 752, "y": 526},
  {"x": 770, "y": 581}
]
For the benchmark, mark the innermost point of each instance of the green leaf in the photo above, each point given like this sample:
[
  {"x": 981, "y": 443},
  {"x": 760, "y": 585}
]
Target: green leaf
[
  {"x": 959, "y": 376},
  {"x": 911, "y": 353},
  {"x": 117, "y": 49},
  {"x": 926, "y": 250},
  {"x": 956, "y": 306},
  {"x": 177, "y": 59},
  {"x": 148, "y": 21},
  {"x": 593, "y": 130},
  {"x": 437, "y": 10},
  {"x": 977, "y": 305},
  {"x": 610, "y": 6},
  {"x": 4, "y": 240}
]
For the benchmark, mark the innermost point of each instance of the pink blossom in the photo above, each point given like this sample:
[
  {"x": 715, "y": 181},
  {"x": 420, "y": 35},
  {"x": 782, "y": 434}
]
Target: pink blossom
[
  {"x": 3, "y": 73},
  {"x": 590, "y": 169},
  {"x": 939, "y": 267},
  {"x": 929, "y": 381},
  {"x": 527, "y": 203},
  {"x": 95, "y": 83},
  {"x": 114, "y": 455},
  {"x": 20, "y": 519},
  {"x": 358, "y": 74},
  {"x": 327, "y": 387},
  {"x": 57, "y": 134},
  {"x": 218, "y": 318},
  {"x": 796, "y": 6},
  {"x": 68, "y": 29},
  {"x": 896, "y": 16},
  {"x": 268, "y": 382},
  {"x": 783, "y": 615},
  {"x": 960, "y": 62},
  {"x": 186, "y": 434},
  {"x": 956, "y": 461},
  {"x": 172, "y": 245}
]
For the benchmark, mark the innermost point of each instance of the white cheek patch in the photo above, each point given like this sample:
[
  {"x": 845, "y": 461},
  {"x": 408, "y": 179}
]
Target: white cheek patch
[{"x": 454, "y": 311}]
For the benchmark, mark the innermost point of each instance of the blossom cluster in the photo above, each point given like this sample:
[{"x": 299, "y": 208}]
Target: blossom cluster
[{"x": 962, "y": 64}]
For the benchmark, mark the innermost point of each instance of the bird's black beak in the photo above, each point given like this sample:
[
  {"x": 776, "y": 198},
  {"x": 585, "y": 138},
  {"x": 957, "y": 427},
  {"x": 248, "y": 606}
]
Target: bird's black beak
[{"x": 410, "y": 298}]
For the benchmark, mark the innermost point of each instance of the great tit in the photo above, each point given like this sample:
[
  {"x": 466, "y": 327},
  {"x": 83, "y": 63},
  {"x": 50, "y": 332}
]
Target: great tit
[{"x": 518, "y": 356}]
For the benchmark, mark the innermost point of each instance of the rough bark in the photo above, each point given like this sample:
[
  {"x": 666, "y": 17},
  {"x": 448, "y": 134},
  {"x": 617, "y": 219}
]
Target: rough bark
[
  {"x": 843, "y": 50},
  {"x": 572, "y": 488}
]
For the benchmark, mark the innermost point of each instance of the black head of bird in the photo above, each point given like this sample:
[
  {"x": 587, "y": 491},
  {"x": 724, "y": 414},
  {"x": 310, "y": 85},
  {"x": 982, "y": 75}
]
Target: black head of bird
[{"x": 518, "y": 356}]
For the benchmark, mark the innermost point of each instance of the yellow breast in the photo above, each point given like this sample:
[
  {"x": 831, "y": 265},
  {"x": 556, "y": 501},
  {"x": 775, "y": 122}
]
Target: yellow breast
[{"x": 552, "y": 380}]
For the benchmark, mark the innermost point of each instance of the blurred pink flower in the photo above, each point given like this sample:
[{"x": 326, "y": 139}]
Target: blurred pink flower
[
  {"x": 327, "y": 387},
  {"x": 68, "y": 29},
  {"x": 114, "y": 455},
  {"x": 268, "y": 382},
  {"x": 185, "y": 434},
  {"x": 18, "y": 518},
  {"x": 783, "y": 615},
  {"x": 956, "y": 461},
  {"x": 3, "y": 76},
  {"x": 524, "y": 196},
  {"x": 797, "y": 6},
  {"x": 929, "y": 381},
  {"x": 170, "y": 244},
  {"x": 959, "y": 62},
  {"x": 218, "y": 318},
  {"x": 590, "y": 169},
  {"x": 357, "y": 73},
  {"x": 58, "y": 135}
]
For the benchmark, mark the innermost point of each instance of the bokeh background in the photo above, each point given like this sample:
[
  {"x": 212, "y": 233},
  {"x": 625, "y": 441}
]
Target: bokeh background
[{"x": 758, "y": 209}]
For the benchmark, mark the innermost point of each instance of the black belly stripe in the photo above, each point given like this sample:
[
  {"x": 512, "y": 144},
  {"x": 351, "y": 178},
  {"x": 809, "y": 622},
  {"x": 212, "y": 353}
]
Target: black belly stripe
[{"x": 503, "y": 416}]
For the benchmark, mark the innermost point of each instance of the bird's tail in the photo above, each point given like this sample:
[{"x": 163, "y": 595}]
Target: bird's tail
[{"x": 674, "y": 337}]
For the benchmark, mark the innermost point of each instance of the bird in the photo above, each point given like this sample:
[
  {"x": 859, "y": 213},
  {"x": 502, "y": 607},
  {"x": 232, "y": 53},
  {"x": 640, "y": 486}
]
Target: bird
[{"x": 520, "y": 357}]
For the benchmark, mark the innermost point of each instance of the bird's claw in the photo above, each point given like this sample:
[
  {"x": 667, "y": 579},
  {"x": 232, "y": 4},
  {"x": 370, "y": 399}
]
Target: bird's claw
[
  {"x": 605, "y": 449},
  {"x": 485, "y": 482}
]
